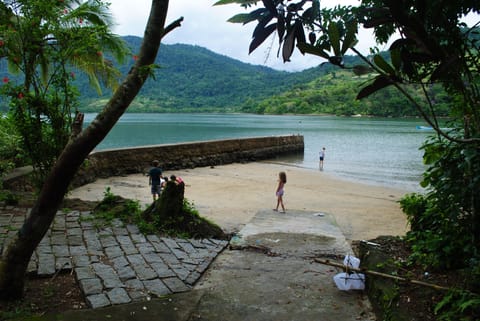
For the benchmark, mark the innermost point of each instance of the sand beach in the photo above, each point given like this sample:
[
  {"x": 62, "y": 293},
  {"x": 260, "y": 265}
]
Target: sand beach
[{"x": 231, "y": 195}]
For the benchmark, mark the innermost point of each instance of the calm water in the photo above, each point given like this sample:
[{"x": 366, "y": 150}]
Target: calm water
[{"x": 374, "y": 151}]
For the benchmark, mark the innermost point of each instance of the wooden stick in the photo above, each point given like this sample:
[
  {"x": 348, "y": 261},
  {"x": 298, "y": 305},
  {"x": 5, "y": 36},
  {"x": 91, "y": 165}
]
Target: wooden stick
[{"x": 384, "y": 275}]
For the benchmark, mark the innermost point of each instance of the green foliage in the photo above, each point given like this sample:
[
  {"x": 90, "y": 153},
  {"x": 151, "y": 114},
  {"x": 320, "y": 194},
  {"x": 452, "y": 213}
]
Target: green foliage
[
  {"x": 187, "y": 224},
  {"x": 20, "y": 313},
  {"x": 335, "y": 93},
  {"x": 390, "y": 296},
  {"x": 459, "y": 305},
  {"x": 113, "y": 207},
  {"x": 8, "y": 198},
  {"x": 41, "y": 40},
  {"x": 194, "y": 79},
  {"x": 414, "y": 206},
  {"x": 445, "y": 222},
  {"x": 216, "y": 83},
  {"x": 174, "y": 215},
  {"x": 11, "y": 153}
]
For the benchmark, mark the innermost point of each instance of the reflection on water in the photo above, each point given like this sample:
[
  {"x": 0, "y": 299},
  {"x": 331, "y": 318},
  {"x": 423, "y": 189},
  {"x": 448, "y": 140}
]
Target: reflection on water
[{"x": 371, "y": 150}]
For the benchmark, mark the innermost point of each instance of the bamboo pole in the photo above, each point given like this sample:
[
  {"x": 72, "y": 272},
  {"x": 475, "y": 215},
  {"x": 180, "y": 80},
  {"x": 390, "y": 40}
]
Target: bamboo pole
[{"x": 384, "y": 275}]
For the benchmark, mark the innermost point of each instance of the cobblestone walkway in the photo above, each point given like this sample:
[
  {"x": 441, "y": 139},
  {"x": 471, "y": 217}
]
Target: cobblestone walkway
[{"x": 115, "y": 264}]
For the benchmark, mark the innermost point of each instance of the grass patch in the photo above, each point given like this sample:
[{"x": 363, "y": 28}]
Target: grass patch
[{"x": 186, "y": 224}]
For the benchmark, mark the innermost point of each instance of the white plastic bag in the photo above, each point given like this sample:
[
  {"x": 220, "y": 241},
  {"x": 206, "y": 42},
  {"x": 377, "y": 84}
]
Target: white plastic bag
[
  {"x": 346, "y": 282},
  {"x": 350, "y": 281},
  {"x": 351, "y": 261}
]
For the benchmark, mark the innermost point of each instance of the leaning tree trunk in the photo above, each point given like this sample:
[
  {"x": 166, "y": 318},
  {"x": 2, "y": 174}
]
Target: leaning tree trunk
[{"x": 14, "y": 262}]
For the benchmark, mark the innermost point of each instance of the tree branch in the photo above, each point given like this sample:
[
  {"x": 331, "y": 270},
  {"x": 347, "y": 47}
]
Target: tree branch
[{"x": 177, "y": 23}]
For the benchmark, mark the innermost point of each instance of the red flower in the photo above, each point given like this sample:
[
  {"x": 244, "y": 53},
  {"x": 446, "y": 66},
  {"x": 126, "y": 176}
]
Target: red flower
[
  {"x": 65, "y": 11},
  {"x": 80, "y": 20},
  {"x": 2, "y": 43},
  {"x": 99, "y": 53},
  {"x": 135, "y": 57},
  {"x": 20, "y": 95},
  {"x": 5, "y": 80}
]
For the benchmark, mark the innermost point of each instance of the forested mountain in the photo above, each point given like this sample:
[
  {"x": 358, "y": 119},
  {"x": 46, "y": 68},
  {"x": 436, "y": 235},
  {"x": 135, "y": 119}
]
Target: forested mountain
[
  {"x": 335, "y": 93},
  {"x": 192, "y": 78},
  {"x": 195, "y": 79}
]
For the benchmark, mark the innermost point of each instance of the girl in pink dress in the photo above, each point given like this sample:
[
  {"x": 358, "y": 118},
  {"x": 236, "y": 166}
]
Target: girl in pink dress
[{"x": 282, "y": 180}]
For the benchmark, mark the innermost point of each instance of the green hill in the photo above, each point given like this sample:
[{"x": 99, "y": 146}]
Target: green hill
[
  {"x": 335, "y": 93},
  {"x": 192, "y": 78}
]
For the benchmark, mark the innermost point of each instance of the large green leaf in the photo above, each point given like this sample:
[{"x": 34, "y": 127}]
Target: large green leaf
[
  {"x": 396, "y": 58},
  {"x": 270, "y": 5},
  {"x": 280, "y": 28},
  {"x": 350, "y": 37},
  {"x": 242, "y": 18},
  {"x": 310, "y": 49},
  {"x": 334, "y": 36},
  {"x": 260, "y": 35},
  {"x": 380, "y": 82},
  {"x": 288, "y": 45},
  {"x": 245, "y": 2},
  {"x": 382, "y": 64},
  {"x": 315, "y": 8},
  {"x": 360, "y": 70},
  {"x": 299, "y": 32}
]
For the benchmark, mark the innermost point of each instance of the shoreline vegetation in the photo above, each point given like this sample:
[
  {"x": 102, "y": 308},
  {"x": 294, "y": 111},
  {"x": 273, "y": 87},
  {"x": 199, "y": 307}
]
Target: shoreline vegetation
[
  {"x": 220, "y": 112},
  {"x": 208, "y": 87}
]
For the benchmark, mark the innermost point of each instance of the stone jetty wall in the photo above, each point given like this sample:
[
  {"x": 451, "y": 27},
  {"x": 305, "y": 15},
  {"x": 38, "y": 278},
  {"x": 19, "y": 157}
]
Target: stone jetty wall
[{"x": 125, "y": 161}]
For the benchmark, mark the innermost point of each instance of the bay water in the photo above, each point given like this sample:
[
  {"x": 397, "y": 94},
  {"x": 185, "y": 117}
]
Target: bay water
[{"x": 378, "y": 151}]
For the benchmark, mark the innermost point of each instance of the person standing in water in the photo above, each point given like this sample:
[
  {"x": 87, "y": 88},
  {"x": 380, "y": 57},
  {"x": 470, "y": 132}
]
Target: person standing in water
[
  {"x": 282, "y": 180},
  {"x": 322, "y": 157}
]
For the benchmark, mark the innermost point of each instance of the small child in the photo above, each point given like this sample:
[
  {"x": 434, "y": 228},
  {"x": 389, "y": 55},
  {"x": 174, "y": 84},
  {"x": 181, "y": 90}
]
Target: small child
[
  {"x": 282, "y": 180},
  {"x": 321, "y": 158},
  {"x": 178, "y": 180}
]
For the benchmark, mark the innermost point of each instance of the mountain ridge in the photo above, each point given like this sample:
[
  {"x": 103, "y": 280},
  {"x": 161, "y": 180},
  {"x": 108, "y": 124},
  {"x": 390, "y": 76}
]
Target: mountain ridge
[{"x": 193, "y": 78}]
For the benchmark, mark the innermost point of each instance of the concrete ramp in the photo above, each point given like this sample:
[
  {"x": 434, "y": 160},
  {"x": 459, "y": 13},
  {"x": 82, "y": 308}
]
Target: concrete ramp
[
  {"x": 269, "y": 273},
  {"x": 294, "y": 233}
]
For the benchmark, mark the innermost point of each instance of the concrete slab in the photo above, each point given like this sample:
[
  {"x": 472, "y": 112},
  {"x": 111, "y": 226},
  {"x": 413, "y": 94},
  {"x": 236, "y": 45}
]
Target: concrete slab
[
  {"x": 268, "y": 274},
  {"x": 296, "y": 232},
  {"x": 282, "y": 283}
]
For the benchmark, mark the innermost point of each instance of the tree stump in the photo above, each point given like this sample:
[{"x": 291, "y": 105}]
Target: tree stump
[
  {"x": 169, "y": 204},
  {"x": 170, "y": 216}
]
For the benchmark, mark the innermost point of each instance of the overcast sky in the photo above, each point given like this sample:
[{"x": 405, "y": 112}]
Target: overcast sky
[{"x": 206, "y": 25}]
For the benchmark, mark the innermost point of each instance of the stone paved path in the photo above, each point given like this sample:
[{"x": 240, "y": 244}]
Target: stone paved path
[{"x": 114, "y": 264}]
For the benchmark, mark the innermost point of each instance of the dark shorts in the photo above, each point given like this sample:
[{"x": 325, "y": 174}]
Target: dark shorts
[
  {"x": 155, "y": 189},
  {"x": 321, "y": 158}
]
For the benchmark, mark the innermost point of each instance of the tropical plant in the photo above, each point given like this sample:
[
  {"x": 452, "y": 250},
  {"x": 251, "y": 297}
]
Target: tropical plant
[
  {"x": 15, "y": 258},
  {"x": 46, "y": 43},
  {"x": 10, "y": 146}
]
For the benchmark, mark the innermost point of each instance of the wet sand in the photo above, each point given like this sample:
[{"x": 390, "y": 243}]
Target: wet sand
[{"x": 231, "y": 195}]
